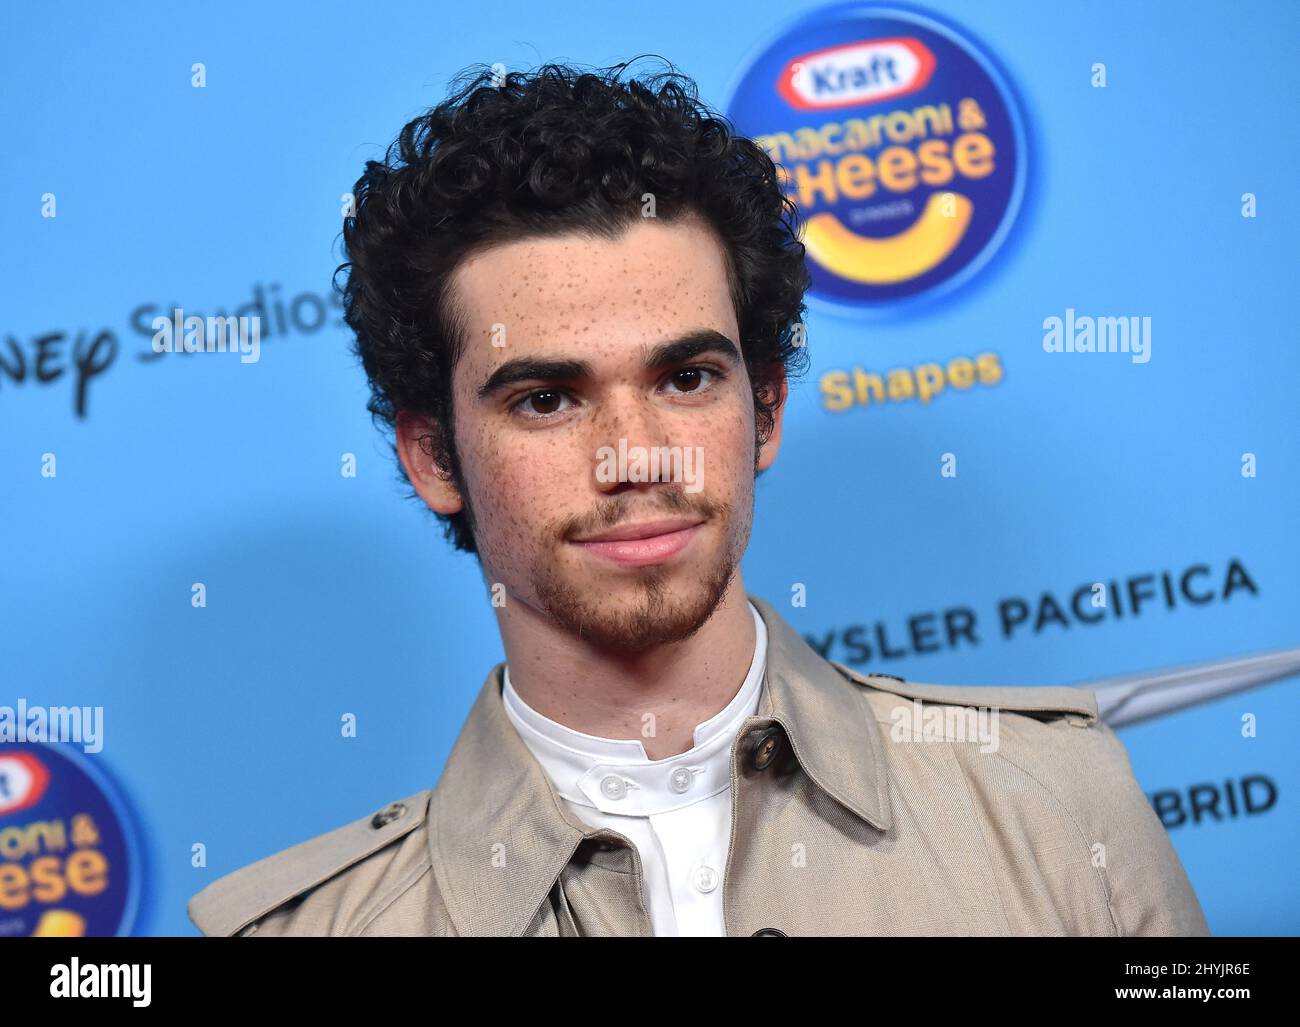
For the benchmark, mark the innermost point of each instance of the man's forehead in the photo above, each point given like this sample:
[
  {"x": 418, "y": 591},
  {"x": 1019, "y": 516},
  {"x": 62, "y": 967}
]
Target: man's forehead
[
  {"x": 566, "y": 272},
  {"x": 616, "y": 296}
]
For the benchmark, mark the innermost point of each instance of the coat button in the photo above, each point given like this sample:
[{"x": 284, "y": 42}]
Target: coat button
[
  {"x": 387, "y": 815},
  {"x": 769, "y": 742},
  {"x": 769, "y": 932}
]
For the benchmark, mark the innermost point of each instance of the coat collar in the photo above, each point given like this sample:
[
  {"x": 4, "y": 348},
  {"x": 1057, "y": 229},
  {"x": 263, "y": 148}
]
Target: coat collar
[
  {"x": 499, "y": 836},
  {"x": 832, "y": 731}
]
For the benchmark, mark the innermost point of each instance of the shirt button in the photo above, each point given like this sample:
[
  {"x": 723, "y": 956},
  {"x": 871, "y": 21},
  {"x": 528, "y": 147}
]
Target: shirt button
[
  {"x": 769, "y": 932},
  {"x": 680, "y": 780},
  {"x": 706, "y": 879},
  {"x": 613, "y": 787},
  {"x": 766, "y": 748}
]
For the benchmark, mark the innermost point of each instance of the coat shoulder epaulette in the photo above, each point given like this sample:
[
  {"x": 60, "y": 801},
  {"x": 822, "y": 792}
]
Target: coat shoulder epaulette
[
  {"x": 1043, "y": 702},
  {"x": 244, "y": 896}
]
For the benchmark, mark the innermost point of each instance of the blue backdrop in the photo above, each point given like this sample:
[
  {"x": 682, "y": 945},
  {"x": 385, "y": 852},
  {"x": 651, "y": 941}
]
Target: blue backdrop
[{"x": 328, "y": 595}]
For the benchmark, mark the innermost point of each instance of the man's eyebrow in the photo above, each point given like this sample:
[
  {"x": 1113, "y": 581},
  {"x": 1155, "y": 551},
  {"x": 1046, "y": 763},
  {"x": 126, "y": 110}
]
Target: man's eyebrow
[
  {"x": 689, "y": 346},
  {"x": 659, "y": 358},
  {"x": 527, "y": 369}
]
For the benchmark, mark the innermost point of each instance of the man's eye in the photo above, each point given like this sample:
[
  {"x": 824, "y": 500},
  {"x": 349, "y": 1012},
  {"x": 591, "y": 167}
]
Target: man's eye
[
  {"x": 542, "y": 403},
  {"x": 691, "y": 379}
]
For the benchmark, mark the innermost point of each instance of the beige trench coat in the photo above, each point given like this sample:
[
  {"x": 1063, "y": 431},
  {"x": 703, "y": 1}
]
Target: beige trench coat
[{"x": 846, "y": 820}]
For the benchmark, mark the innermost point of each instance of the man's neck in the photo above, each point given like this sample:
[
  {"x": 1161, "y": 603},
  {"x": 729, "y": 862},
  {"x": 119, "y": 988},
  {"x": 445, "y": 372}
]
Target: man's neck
[{"x": 613, "y": 695}]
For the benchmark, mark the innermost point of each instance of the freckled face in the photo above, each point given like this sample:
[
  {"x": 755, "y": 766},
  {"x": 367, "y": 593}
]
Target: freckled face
[{"x": 580, "y": 347}]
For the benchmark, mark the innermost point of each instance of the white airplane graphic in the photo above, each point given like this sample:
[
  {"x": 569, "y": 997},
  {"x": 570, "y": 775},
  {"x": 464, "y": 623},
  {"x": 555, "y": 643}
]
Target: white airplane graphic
[{"x": 1137, "y": 697}]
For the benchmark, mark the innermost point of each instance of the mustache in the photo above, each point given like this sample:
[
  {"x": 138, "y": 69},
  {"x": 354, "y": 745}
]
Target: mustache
[{"x": 625, "y": 508}]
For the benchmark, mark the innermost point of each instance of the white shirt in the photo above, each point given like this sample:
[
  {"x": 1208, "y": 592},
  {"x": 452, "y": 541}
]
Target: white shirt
[{"x": 676, "y": 811}]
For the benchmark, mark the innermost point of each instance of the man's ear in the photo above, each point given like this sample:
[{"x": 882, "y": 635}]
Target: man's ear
[
  {"x": 418, "y": 439},
  {"x": 779, "y": 388}
]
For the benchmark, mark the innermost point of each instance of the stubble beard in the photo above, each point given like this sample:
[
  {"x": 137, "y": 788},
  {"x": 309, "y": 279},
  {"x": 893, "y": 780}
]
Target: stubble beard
[{"x": 655, "y": 615}]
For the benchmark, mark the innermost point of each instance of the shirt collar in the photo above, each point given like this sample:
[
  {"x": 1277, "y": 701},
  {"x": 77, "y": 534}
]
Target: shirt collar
[
  {"x": 614, "y": 775},
  {"x": 499, "y": 835}
]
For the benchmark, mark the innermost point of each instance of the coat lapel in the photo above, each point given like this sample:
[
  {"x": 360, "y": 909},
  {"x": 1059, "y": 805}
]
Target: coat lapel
[
  {"x": 830, "y": 728},
  {"x": 498, "y": 835}
]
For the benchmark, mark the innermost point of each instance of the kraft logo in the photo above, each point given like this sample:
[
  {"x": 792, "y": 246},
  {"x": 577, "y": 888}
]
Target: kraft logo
[
  {"x": 23, "y": 780},
  {"x": 853, "y": 74},
  {"x": 899, "y": 142}
]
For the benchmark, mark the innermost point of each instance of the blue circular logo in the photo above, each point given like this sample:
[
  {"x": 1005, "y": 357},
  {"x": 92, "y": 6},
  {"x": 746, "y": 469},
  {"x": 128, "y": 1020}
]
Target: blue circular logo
[
  {"x": 898, "y": 140},
  {"x": 68, "y": 858}
]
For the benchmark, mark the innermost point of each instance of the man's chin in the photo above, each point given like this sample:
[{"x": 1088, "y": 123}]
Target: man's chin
[{"x": 637, "y": 610}]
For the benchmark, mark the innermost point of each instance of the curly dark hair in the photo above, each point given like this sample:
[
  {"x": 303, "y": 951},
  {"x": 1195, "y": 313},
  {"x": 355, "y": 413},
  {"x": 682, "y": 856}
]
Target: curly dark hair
[{"x": 524, "y": 154}]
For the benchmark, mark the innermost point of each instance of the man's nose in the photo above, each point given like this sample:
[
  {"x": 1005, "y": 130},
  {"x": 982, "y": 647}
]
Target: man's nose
[{"x": 629, "y": 424}]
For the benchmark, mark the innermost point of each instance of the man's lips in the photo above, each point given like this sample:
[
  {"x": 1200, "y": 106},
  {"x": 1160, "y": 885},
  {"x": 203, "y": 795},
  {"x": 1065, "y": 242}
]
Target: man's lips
[{"x": 639, "y": 545}]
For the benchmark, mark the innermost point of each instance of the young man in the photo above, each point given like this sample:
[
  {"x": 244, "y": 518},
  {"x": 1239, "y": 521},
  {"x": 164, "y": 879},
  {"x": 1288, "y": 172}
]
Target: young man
[{"x": 577, "y": 299}]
